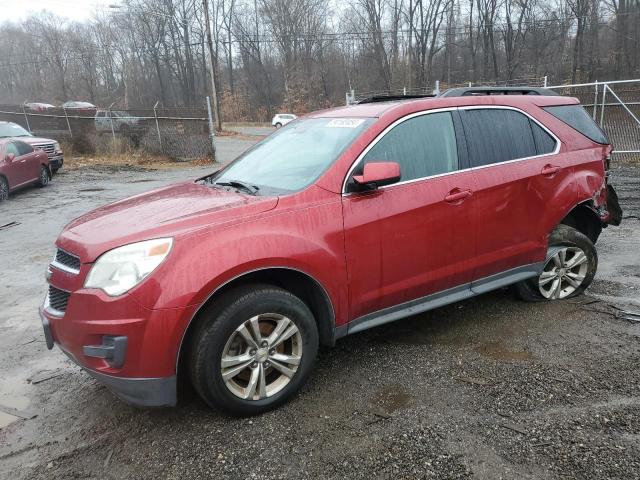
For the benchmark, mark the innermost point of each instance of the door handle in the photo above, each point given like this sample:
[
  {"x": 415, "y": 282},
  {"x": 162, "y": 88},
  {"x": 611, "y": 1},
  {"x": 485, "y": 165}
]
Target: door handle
[
  {"x": 457, "y": 195},
  {"x": 549, "y": 170}
]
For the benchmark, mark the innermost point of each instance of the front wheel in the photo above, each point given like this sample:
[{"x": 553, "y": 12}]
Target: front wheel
[
  {"x": 4, "y": 189},
  {"x": 253, "y": 350},
  {"x": 570, "y": 266},
  {"x": 278, "y": 125},
  {"x": 43, "y": 179}
]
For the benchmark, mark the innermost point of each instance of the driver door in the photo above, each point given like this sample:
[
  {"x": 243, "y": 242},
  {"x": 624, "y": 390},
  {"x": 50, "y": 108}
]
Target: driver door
[
  {"x": 17, "y": 171},
  {"x": 417, "y": 237}
]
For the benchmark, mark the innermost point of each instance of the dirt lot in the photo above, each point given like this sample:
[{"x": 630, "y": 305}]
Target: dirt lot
[{"x": 488, "y": 388}]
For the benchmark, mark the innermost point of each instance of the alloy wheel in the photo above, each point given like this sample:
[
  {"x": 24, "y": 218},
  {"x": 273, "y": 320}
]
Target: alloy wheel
[
  {"x": 261, "y": 356},
  {"x": 44, "y": 176},
  {"x": 563, "y": 273}
]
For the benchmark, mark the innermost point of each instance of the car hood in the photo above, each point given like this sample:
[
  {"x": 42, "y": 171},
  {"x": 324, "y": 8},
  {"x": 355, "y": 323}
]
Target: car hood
[
  {"x": 169, "y": 211},
  {"x": 35, "y": 140}
]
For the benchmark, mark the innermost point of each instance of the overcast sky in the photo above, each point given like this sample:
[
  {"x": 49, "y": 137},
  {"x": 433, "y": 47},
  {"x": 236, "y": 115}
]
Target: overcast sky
[{"x": 72, "y": 9}]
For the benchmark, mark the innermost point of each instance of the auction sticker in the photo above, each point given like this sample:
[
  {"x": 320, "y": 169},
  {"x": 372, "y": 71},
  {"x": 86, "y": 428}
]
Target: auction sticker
[{"x": 345, "y": 122}]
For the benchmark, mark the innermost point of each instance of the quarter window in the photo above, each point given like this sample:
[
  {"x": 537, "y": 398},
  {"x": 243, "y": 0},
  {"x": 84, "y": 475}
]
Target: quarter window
[
  {"x": 423, "y": 146},
  {"x": 545, "y": 143},
  {"x": 577, "y": 117},
  {"x": 498, "y": 135}
]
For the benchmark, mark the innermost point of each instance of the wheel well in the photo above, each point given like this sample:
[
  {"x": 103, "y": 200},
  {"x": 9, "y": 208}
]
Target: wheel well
[
  {"x": 585, "y": 220},
  {"x": 300, "y": 284}
]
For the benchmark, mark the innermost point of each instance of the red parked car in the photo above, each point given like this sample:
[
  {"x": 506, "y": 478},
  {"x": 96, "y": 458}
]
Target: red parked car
[
  {"x": 21, "y": 165},
  {"x": 344, "y": 220},
  {"x": 10, "y": 130}
]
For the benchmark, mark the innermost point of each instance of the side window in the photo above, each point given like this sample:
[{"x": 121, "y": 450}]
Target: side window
[
  {"x": 23, "y": 148},
  {"x": 497, "y": 135},
  {"x": 423, "y": 146},
  {"x": 545, "y": 143},
  {"x": 11, "y": 148}
]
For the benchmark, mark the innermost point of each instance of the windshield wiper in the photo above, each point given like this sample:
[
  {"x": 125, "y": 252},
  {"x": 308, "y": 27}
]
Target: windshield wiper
[{"x": 252, "y": 189}]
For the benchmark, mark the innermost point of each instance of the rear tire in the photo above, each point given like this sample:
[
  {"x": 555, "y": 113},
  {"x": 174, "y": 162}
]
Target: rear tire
[
  {"x": 4, "y": 189},
  {"x": 278, "y": 125},
  {"x": 266, "y": 338},
  {"x": 571, "y": 264}
]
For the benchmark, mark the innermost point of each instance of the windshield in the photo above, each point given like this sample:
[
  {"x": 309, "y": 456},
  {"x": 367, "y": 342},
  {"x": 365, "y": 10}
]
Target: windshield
[
  {"x": 12, "y": 130},
  {"x": 293, "y": 157}
]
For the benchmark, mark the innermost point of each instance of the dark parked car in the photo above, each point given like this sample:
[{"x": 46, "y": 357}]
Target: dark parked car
[
  {"x": 346, "y": 219},
  {"x": 51, "y": 147},
  {"x": 20, "y": 166}
]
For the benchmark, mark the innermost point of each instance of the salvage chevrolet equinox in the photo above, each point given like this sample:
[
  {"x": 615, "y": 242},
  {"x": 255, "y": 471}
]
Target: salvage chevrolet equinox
[{"x": 343, "y": 220}]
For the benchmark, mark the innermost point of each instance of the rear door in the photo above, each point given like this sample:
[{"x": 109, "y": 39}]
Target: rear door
[
  {"x": 416, "y": 237},
  {"x": 520, "y": 175}
]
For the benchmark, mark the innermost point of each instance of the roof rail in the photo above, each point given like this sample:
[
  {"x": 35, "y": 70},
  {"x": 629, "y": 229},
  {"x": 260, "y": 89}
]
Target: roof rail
[
  {"x": 390, "y": 98},
  {"x": 471, "y": 91}
]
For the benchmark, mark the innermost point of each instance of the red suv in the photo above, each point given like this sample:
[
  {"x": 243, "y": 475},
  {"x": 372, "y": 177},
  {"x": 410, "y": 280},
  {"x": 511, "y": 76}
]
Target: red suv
[{"x": 343, "y": 220}]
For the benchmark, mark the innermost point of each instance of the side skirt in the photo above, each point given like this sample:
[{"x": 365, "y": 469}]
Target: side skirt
[{"x": 440, "y": 299}]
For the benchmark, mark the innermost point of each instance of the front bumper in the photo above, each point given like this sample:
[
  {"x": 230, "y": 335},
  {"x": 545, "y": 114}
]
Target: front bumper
[
  {"x": 56, "y": 162},
  {"x": 142, "y": 392}
]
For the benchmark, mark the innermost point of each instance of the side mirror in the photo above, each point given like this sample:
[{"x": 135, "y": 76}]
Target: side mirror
[
  {"x": 10, "y": 157},
  {"x": 378, "y": 174}
]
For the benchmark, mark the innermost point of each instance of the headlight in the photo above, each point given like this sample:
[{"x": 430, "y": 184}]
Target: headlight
[
  {"x": 56, "y": 147},
  {"x": 121, "y": 269}
]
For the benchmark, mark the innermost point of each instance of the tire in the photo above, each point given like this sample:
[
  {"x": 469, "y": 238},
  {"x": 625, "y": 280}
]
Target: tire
[
  {"x": 45, "y": 176},
  {"x": 4, "y": 189},
  {"x": 278, "y": 125},
  {"x": 252, "y": 383},
  {"x": 572, "y": 261},
  {"x": 54, "y": 170}
]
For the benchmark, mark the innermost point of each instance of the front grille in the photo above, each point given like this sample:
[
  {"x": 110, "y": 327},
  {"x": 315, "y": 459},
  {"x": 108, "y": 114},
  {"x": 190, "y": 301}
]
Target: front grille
[
  {"x": 67, "y": 260},
  {"x": 58, "y": 299},
  {"x": 47, "y": 147}
]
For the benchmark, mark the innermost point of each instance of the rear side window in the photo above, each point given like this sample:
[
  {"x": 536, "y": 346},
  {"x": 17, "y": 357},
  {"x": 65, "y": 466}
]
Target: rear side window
[
  {"x": 498, "y": 135},
  {"x": 577, "y": 117},
  {"x": 23, "y": 148},
  {"x": 423, "y": 146}
]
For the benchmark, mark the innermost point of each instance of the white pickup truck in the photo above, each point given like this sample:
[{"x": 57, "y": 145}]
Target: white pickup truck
[{"x": 118, "y": 121}]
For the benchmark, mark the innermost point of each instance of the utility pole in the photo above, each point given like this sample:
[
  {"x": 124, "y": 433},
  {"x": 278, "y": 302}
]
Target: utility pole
[{"x": 214, "y": 93}]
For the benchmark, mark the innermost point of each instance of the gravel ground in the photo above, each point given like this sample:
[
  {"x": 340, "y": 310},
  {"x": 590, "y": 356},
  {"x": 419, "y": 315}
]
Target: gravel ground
[{"x": 488, "y": 388}]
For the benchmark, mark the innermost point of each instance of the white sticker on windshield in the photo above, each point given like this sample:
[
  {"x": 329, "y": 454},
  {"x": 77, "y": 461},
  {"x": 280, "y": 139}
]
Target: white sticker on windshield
[{"x": 345, "y": 122}]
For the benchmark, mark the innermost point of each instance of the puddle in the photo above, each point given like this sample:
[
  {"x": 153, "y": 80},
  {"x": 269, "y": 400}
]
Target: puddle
[
  {"x": 391, "y": 398},
  {"x": 498, "y": 351},
  {"x": 13, "y": 395}
]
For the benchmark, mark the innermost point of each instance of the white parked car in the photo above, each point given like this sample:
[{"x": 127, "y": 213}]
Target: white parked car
[{"x": 281, "y": 119}]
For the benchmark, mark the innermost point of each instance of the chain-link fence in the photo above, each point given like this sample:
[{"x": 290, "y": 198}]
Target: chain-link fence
[{"x": 181, "y": 133}]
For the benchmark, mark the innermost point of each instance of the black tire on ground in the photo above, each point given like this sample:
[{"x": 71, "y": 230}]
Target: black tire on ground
[
  {"x": 54, "y": 170},
  {"x": 217, "y": 326},
  {"x": 4, "y": 188},
  {"x": 562, "y": 236},
  {"x": 278, "y": 125},
  {"x": 45, "y": 176}
]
